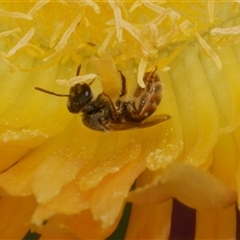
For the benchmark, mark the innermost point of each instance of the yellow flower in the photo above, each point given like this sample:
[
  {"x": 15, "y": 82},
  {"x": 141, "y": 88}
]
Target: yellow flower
[{"x": 64, "y": 180}]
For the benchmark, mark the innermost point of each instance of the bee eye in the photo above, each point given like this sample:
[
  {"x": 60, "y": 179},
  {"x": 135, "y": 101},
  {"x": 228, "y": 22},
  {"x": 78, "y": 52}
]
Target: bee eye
[
  {"x": 87, "y": 93},
  {"x": 79, "y": 96}
]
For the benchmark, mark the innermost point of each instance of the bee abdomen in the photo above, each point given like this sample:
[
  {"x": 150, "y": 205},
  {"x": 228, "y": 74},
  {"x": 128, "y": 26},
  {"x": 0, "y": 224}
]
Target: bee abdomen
[{"x": 145, "y": 100}]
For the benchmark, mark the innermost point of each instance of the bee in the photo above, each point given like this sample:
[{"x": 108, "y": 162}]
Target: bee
[{"x": 103, "y": 114}]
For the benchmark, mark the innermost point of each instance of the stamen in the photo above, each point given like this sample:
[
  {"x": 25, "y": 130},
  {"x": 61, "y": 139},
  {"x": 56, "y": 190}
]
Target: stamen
[
  {"x": 135, "y": 6},
  {"x": 22, "y": 43},
  {"x": 75, "y": 80},
  {"x": 105, "y": 42},
  {"x": 15, "y": 15},
  {"x": 67, "y": 34},
  {"x": 184, "y": 25},
  {"x": 9, "y": 32},
  {"x": 159, "y": 19},
  {"x": 62, "y": 43},
  {"x": 209, "y": 51},
  {"x": 211, "y": 11},
  {"x": 118, "y": 19},
  {"x": 93, "y": 5},
  {"x": 156, "y": 8},
  {"x": 164, "y": 39},
  {"x": 37, "y": 6},
  {"x": 11, "y": 66},
  {"x": 51, "y": 56},
  {"x": 226, "y": 31},
  {"x": 56, "y": 33},
  {"x": 166, "y": 69},
  {"x": 136, "y": 33}
]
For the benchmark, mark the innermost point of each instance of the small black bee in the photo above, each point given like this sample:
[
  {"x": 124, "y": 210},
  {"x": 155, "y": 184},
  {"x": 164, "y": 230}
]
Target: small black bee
[{"x": 102, "y": 114}]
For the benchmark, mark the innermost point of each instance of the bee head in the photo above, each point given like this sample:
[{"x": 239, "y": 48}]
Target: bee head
[{"x": 79, "y": 96}]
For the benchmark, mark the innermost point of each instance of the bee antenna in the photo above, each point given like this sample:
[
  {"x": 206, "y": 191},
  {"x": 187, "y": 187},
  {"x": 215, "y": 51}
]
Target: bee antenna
[
  {"x": 52, "y": 93},
  {"x": 78, "y": 70}
]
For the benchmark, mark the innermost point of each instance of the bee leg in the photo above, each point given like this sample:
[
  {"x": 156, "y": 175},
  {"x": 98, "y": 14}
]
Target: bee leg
[{"x": 124, "y": 88}]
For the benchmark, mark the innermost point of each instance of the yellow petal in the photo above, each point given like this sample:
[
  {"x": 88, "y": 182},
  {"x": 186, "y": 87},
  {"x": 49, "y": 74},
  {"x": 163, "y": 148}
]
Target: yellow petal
[
  {"x": 82, "y": 226},
  {"x": 194, "y": 187},
  {"x": 22, "y": 174},
  {"x": 225, "y": 160},
  {"x": 10, "y": 155},
  {"x": 61, "y": 158},
  {"x": 55, "y": 232},
  {"x": 196, "y": 105},
  {"x": 216, "y": 224},
  {"x": 150, "y": 221},
  {"x": 69, "y": 202},
  {"x": 15, "y": 216},
  {"x": 168, "y": 136},
  {"x": 111, "y": 192},
  {"x": 89, "y": 226},
  {"x": 147, "y": 220}
]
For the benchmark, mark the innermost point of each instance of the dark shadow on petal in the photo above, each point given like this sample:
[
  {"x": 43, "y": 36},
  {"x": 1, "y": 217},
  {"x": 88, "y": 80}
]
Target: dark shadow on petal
[
  {"x": 121, "y": 229},
  {"x": 183, "y": 222},
  {"x": 238, "y": 223},
  {"x": 31, "y": 236}
]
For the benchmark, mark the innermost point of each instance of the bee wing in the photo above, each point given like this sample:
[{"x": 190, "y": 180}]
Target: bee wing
[{"x": 135, "y": 125}]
